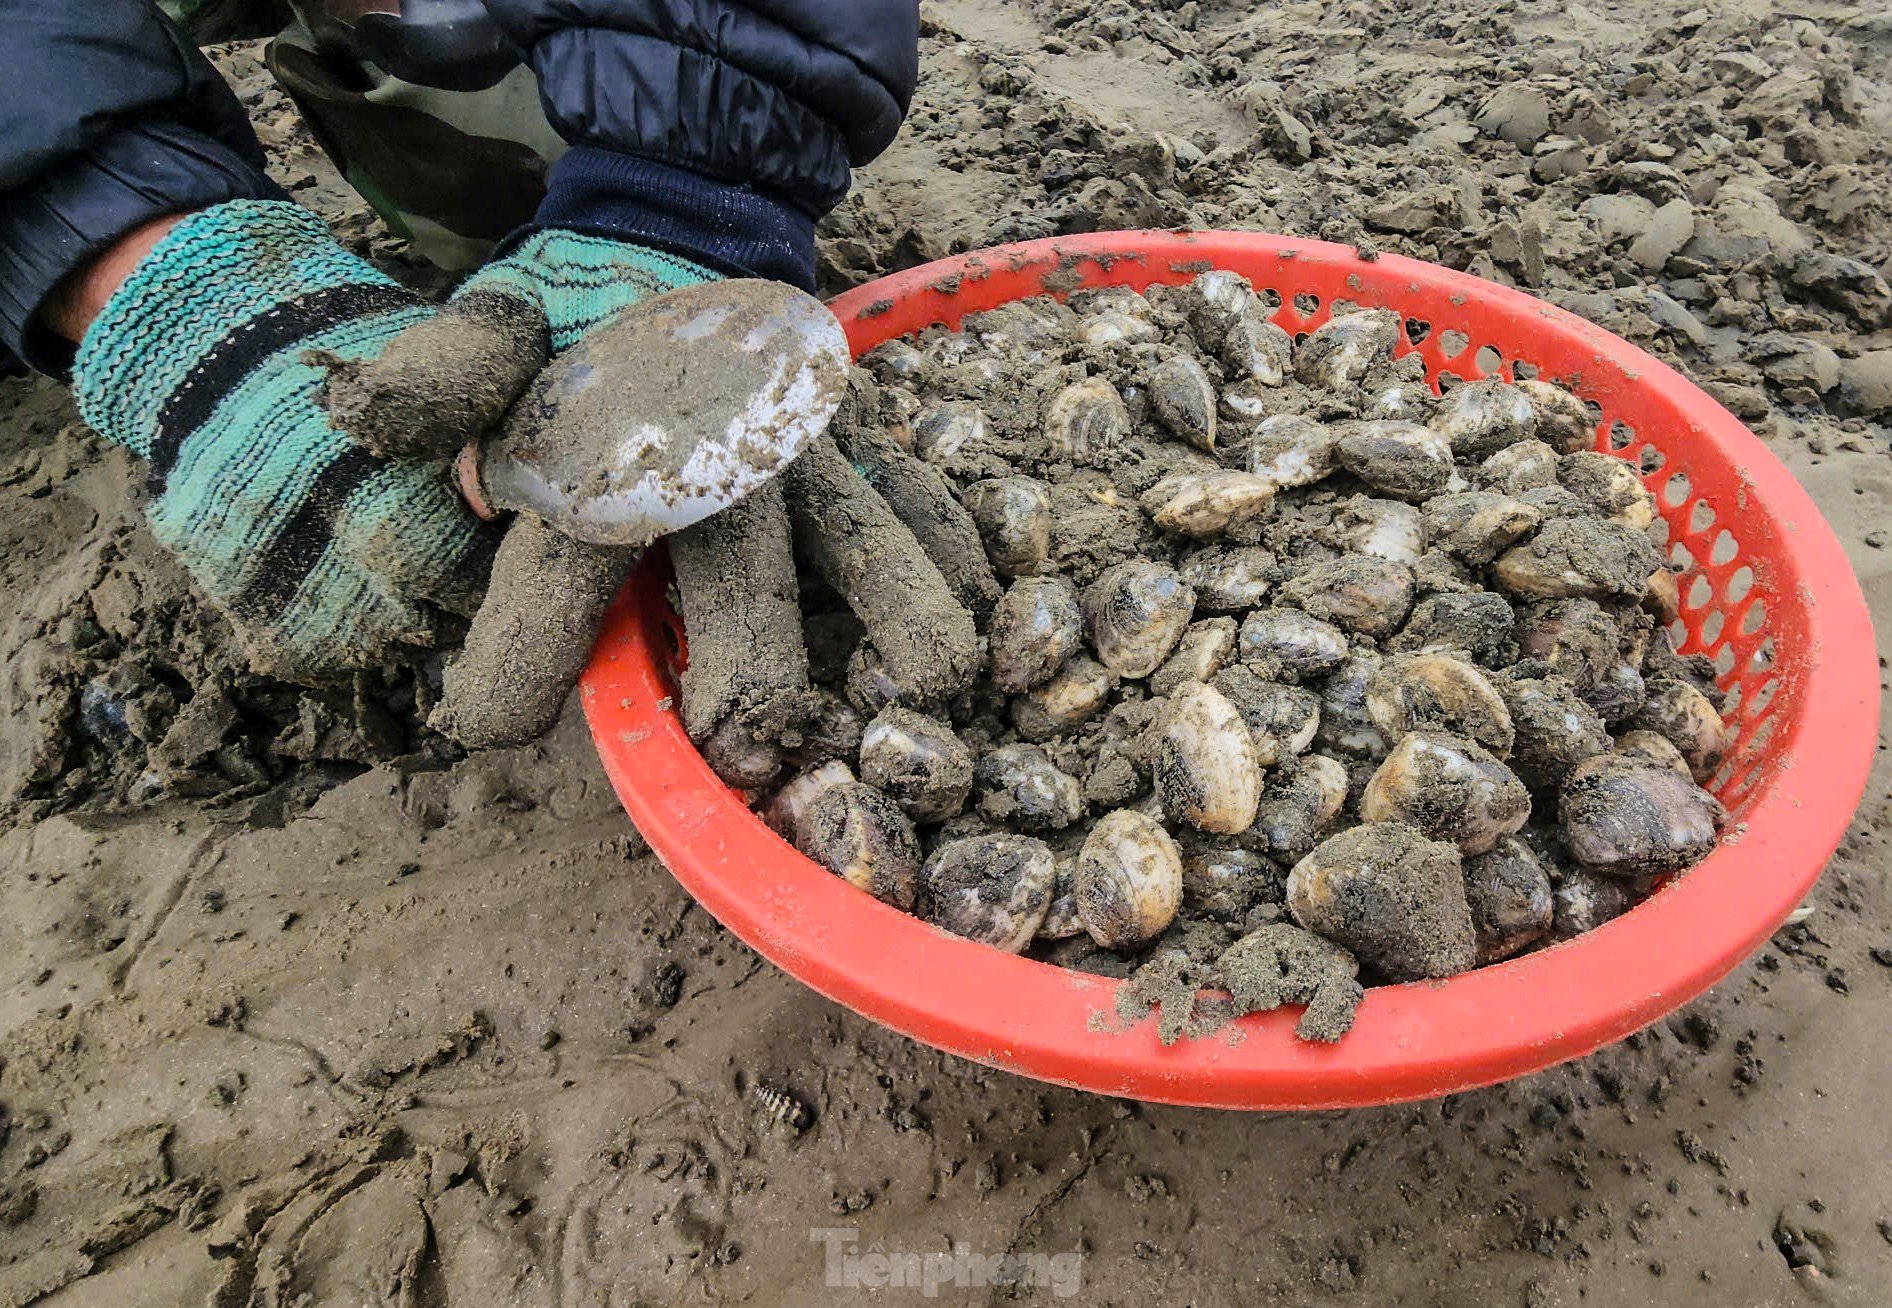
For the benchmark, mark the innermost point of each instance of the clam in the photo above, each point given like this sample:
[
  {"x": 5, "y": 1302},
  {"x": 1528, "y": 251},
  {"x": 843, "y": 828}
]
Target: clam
[
  {"x": 1591, "y": 557},
  {"x": 1013, "y": 515},
  {"x": 788, "y": 809},
  {"x": 832, "y": 730},
  {"x": 1345, "y": 725},
  {"x": 1663, "y": 600},
  {"x": 869, "y": 687},
  {"x": 1555, "y": 729},
  {"x": 1477, "y": 622},
  {"x": 1564, "y": 422},
  {"x": 1093, "y": 301},
  {"x": 1652, "y": 747},
  {"x": 943, "y": 431},
  {"x": 1290, "y": 450},
  {"x": 895, "y": 361},
  {"x": 1036, "y": 625},
  {"x": 1609, "y": 486},
  {"x": 1576, "y": 638},
  {"x": 1401, "y": 459},
  {"x": 1407, "y": 401},
  {"x": 1478, "y": 526},
  {"x": 1440, "y": 693},
  {"x": 1281, "y": 964},
  {"x": 1245, "y": 400},
  {"x": 1256, "y": 349},
  {"x": 1086, "y": 420},
  {"x": 1203, "y": 763},
  {"x": 1625, "y": 817},
  {"x": 1346, "y": 348},
  {"x": 1510, "y": 898},
  {"x": 1073, "y": 696},
  {"x": 1128, "y": 880},
  {"x": 917, "y": 761},
  {"x": 1216, "y": 302},
  {"x": 1134, "y": 613},
  {"x": 1288, "y": 642},
  {"x": 1114, "y": 328},
  {"x": 1618, "y": 695},
  {"x": 1385, "y": 529},
  {"x": 1229, "y": 579},
  {"x": 1299, "y": 801},
  {"x": 1203, "y": 651},
  {"x": 1226, "y": 882},
  {"x": 1555, "y": 502},
  {"x": 1020, "y": 786},
  {"x": 1061, "y": 921},
  {"x": 1438, "y": 573},
  {"x": 1447, "y": 788},
  {"x": 861, "y": 836},
  {"x": 1528, "y": 465},
  {"x": 1283, "y": 719},
  {"x": 1482, "y": 417},
  {"x": 1368, "y": 596},
  {"x": 994, "y": 889},
  {"x": 1184, "y": 400},
  {"x": 1206, "y": 503},
  {"x": 1585, "y": 900},
  {"x": 1395, "y": 899},
  {"x": 735, "y": 754},
  {"x": 1689, "y": 720}
]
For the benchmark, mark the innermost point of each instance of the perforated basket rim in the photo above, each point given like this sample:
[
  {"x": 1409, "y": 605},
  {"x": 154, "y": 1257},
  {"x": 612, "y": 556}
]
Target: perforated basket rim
[{"x": 1409, "y": 1042}]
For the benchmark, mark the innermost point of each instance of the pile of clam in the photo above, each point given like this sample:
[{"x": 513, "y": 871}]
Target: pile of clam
[{"x": 1273, "y": 641}]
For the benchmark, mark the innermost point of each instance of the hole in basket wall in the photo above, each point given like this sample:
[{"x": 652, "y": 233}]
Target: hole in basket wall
[
  {"x": 1701, "y": 517},
  {"x": 1675, "y": 491},
  {"x": 1488, "y": 360},
  {"x": 1622, "y": 435},
  {"x": 1754, "y": 618},
  {"x": 1306, "y": 303},
  {"x": 1417, "y": 329},
  {"x": 1726, "y": 547},
  {"x": 1453, "y": 343},
  {"x": 1652, "y": 459}
]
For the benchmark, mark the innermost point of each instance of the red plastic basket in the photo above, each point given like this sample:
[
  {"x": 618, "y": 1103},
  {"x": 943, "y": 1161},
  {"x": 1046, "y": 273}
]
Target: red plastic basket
[{"x": 1767, "y": 593}]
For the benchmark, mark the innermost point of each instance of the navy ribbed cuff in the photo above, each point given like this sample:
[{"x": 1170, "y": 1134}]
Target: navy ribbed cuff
[
  {"x": 60, "y": 220},
  {"x": 732, "y": 229}
]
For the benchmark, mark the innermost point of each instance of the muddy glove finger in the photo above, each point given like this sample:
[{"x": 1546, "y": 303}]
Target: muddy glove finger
[
  {"x": 444, "y": 380},
  {"x": 532, "y": 636},
  {"x": 746, "y": 685},
  {"x": 854, "y": 540},
  {"x": 921, "y": 499}
]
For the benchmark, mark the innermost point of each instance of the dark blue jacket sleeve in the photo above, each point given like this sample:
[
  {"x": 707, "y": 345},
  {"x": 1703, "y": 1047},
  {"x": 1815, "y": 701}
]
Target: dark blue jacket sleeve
[
  {"x": 108, "y": 118},
  {"x": 779, "y": 95},
  {"x": 721, "y": 129}
]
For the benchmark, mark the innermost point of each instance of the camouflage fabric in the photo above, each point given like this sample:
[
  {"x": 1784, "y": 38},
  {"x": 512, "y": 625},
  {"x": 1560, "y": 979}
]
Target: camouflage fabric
[{"x": 424, "y": 109}]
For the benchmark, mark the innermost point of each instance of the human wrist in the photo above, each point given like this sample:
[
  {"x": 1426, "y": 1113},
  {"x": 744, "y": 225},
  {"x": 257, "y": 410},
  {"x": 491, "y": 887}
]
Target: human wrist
[{"x": 76, "y": 302}]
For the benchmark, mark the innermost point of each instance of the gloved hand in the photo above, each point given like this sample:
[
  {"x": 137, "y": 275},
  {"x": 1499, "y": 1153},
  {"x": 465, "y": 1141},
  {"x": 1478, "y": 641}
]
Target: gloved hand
[
  {"x": 501, "y": 326},
  {"x": 206, "y": 362}
]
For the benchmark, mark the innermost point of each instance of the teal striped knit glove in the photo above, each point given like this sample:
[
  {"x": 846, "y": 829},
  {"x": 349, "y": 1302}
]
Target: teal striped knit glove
[
  {"x": 209, "y": 362},
  {"x": 579, "y": 281},
  {"x": 458, "y": 371}
]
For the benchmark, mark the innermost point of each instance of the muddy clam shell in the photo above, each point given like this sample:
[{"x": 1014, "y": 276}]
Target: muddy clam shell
[
  {"x": 1036, "y": 625},
  {"x": 994, "y": 889},
  {"x": 1128, "y": 880}
]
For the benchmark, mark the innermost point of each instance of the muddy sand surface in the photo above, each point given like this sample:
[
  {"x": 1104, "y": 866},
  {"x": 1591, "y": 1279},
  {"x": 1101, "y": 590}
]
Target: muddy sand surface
[{"x": 300, "y": 1006}]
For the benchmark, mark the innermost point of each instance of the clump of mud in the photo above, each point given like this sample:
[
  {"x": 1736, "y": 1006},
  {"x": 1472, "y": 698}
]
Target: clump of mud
[
  {"x": 1292, "y": 670},
  {"x": 123, "y": 685}
]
